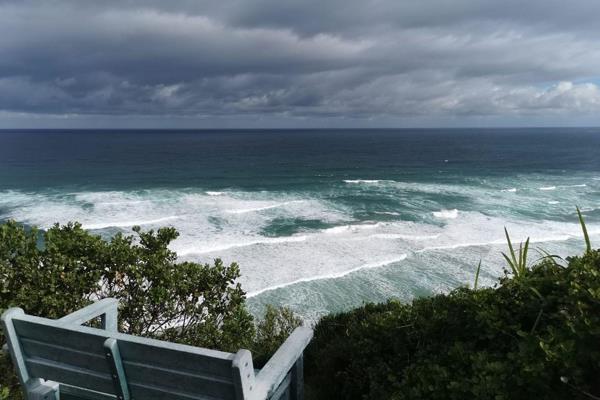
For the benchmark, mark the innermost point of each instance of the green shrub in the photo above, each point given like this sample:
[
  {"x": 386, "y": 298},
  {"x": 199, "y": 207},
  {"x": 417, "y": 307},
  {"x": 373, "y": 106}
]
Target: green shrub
[
  {"x": 182, "y": 302},
  {"x": 272, "y": 330},
  {"x": 52, "y": 282},
  {"x": 155, "y": 291},
  {"x": 533, "y": 337}
]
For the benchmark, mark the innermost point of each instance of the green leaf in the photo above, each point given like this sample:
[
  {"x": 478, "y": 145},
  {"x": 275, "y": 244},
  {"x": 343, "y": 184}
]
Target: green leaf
[
  {"x": 510, "y": 248},
  {"x": 477, "y": 275},
  {"x": 588, "y": 244},
  {"x": 511, "y": 264},
  {"x": 524, "y": 258}
]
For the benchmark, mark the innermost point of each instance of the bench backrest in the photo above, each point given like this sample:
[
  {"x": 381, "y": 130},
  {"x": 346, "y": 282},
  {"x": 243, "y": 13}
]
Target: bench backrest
[{"x": 125, "y": 366}]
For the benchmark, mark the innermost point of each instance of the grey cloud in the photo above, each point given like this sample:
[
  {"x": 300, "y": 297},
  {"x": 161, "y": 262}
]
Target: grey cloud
[{"x": 300, "y": 58}]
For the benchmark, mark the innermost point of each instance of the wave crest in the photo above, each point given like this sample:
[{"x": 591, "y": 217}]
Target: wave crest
[
  {"x": 446, "y": 214},
  {"x": 362, "y": 180},
  {"x": 378, "y": 264}
]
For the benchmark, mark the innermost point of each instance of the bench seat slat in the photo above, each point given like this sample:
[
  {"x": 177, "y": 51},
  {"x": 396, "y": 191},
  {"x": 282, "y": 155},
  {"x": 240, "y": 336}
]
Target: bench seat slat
[
  {"x": 59, "y": 336},
  {"x": 176, "y": 380},
  {"x": 78, "y": 393},
  {"x": 63, "y": 373},
  {"x": 173, "y": 359},
  {"x": 63, "y": 354},
  {"x": 151, "y": 392}
]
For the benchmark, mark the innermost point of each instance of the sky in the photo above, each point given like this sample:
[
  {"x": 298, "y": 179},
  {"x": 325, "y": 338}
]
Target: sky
[{"x": 299, "y": 63}]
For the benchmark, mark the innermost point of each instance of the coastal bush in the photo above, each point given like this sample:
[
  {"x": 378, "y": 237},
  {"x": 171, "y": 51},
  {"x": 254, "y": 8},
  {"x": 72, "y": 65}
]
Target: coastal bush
[
  {"x": 537, "y": 336},
  {"x": 63, "y": 269},
  {"x": 271, "y": 331}
]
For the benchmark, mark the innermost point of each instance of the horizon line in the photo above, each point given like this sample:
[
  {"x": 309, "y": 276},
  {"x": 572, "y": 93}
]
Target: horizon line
[{"x": 302, "y": 129}]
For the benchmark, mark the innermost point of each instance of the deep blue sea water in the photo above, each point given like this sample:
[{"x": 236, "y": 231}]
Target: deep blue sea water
[{"x": 319, "y": 220}]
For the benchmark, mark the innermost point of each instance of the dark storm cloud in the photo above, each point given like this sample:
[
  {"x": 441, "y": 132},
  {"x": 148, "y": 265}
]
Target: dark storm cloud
[{"x": 300, "y": 58}]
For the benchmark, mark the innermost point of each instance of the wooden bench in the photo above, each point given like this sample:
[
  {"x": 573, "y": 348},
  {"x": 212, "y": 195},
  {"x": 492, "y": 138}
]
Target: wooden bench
[{"x": 61, "y": 359}]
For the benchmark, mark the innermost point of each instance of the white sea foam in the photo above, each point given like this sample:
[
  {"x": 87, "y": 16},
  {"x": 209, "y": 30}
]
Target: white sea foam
[
  {"x": 123, "y": 224},
  {"x": 553, "y": 202},
  {"x": 548, "y": 188},
  {"x": 367, "y": 266},
  {"x": 214, "y": 193},
  {"x": 262, "y": 208},
  {"x": 392, "y": 236},
  {"x": 446, "y": 214},
  {"x": 209, "y": 229},
  {"x": 323, "y": 254},
  {"x": 352, "y": 228},
  {"x": 537, "y": 239},
  {"x": 362, "y": 180},
  {"x": 221, "y": 247},
  {"x": 512, "y": 190},
  {"x": 387, "y": 212}
]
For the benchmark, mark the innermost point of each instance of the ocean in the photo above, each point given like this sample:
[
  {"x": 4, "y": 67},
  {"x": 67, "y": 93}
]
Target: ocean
[{"x": 319, "y": 220}]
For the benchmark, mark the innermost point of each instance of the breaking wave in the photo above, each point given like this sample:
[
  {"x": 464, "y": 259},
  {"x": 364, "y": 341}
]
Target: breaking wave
[
  {"x": 223, "y": 247},
  {"x": 362, "y": 180},
  {"x": 262, "y": 208},
  {"x": 283, "y": 241},
  {"x": 351, "y": 228},
  {"x": 330, "y": 276},
  {"x": 446, "y": 214},
  {"x": 123, "y": 224}
]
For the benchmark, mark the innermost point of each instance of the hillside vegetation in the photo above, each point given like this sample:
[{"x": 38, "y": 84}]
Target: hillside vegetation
[{"x": 535, "y": 335}]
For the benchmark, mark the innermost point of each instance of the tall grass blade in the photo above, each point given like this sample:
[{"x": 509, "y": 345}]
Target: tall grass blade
[
  {"x": 510, "y": 248},
  {"x": 537, "y": 321},
  {"x": 545, "y": 255},
  {"x": 510, "y": 263},
  {"x": 588, "y": 244},
  {"x": 477, "y": 275},
  {"x": 537, "y": 293},
  {"x": 520, "y": 265},
  {"x": 524, "y": 258}
]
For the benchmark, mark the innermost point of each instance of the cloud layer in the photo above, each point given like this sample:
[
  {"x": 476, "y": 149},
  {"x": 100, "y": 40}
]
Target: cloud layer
[{"x": 300, "y": 60}]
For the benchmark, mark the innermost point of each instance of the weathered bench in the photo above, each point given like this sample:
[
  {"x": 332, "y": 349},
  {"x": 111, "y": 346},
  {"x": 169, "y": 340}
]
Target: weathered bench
[{"x": 61, "y": 359}]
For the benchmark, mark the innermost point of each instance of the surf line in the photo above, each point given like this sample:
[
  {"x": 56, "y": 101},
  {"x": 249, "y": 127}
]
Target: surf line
[
  {"x": 328, "y": 276},
  {"x": 402, "y": 258},
  {"x": 124, "y": 224}
]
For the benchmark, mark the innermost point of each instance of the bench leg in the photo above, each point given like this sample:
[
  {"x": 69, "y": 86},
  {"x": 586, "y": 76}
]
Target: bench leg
[{"x": 297, "y": 384}]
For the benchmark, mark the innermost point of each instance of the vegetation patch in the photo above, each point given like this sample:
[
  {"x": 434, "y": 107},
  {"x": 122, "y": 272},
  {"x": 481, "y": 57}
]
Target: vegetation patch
[{"x": 535, "y": 335}]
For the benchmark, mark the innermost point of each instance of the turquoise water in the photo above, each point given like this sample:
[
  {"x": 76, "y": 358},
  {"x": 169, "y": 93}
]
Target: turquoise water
[{"x": 318, "y": 220}]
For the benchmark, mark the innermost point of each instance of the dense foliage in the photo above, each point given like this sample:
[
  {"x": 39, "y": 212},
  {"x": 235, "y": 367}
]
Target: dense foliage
[
  {"x": 534, "y": 336},
  {"x": 58, "y": 271}
]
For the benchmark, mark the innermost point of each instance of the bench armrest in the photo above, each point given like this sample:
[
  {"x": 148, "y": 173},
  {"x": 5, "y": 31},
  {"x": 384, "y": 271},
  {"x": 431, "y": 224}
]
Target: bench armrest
[
  {"x": 105, "y": 308},
  {"x": 276, "y": 369}
]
